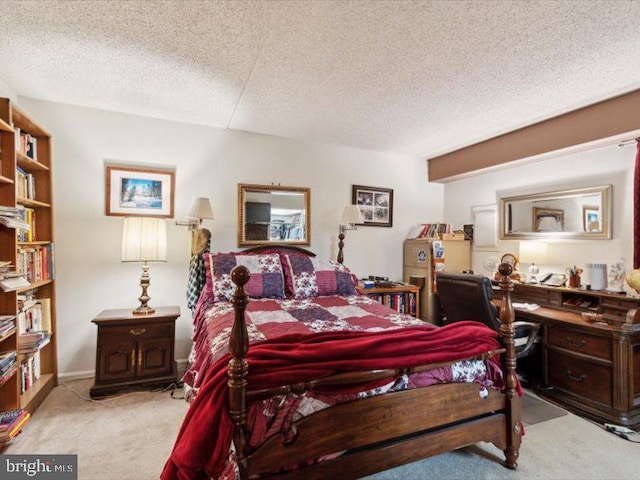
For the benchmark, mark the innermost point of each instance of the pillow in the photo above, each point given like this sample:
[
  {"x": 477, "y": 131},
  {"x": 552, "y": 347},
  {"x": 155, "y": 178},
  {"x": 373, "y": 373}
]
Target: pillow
[
  {"x": 312, "y": 277},
  {"x": 266, "y": 280}
]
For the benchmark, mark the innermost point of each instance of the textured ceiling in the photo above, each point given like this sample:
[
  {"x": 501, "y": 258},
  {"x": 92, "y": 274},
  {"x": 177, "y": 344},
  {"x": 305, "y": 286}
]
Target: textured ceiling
[{"x": 417, "y": 78}]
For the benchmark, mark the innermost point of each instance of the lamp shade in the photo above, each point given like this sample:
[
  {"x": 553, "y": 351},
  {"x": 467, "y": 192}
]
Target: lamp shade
[
  {"x": 533, "y": 252},
  {"x": 144, "y": 239},
  {"x": 352, "y": 215},
  {"x": 200, "y": 208}
]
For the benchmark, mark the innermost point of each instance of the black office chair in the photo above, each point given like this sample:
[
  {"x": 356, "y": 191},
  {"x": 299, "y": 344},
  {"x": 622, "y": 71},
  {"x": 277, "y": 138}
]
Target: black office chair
[{"x": 468, "y": 297}]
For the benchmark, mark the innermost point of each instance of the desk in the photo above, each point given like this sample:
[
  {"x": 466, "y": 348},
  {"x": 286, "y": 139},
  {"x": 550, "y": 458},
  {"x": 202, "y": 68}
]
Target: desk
[{"x": 592, "y": 369}]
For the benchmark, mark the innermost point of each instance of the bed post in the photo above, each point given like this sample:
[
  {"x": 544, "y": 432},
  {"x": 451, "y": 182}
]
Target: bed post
[
  {"x": 238, "y": 367},
  {"x": 507, "y": 334},
  {"x": 340, "y": 245}
]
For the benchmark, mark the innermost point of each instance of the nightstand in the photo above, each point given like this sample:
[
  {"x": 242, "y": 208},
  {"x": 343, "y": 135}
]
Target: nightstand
[{"x": 134, "y": 350}]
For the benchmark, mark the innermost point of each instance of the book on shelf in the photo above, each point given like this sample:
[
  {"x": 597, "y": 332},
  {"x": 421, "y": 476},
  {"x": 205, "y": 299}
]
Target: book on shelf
[
  {"x": 10, "y": 419},
  {"x": 11, "y": 284},
  {"x": 430, "y": 230},
  {"x": 31, "y": 342},
  {"x": 36, "y": 262},
  {"x": 36, "y": 317},
  {"x": 15, "y": 428},
  {"x": 6, "y": 326}
]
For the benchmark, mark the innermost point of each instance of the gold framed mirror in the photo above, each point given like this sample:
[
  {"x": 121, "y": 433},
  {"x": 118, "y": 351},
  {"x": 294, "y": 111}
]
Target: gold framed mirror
[
  {"x": 580, "y": 213},
  {"x": 273, "y": 214}
]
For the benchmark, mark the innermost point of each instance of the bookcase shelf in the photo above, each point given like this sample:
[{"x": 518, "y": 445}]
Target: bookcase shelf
[
  {"x": 25, "y": 152},
  {"x": 29, "y": 164},
  {"x": 27, "y": 202},
  {"x": 4, "y": 126},
  {"x": 402, "y": 298}
]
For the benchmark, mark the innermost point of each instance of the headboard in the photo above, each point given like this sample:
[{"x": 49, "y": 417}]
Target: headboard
[{"x": 279, "y": 248}]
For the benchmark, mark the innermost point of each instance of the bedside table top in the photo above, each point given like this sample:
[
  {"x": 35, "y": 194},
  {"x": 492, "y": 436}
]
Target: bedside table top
[
  {"x": 407, "y": 287},
  {"x": 126, "y": 314}
]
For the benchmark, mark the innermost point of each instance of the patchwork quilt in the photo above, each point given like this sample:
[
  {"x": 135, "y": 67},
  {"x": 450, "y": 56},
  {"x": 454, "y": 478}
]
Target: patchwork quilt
[{"x": 283, "y": 325}]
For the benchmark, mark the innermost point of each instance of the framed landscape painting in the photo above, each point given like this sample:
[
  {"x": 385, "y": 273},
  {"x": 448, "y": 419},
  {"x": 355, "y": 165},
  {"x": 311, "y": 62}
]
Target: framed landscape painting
[
  {"x": 139, "y": 192},
  {"x": 376, "y": 205}
]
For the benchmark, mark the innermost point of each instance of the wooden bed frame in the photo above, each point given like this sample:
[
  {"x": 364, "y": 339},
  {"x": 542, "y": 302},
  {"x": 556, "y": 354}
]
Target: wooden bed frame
[{"x": 381, "y": 432}]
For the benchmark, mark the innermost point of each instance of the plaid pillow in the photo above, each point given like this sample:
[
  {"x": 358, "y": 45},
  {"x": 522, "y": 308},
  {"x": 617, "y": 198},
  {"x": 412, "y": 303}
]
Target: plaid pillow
[
  {"x": 312, "y": 277},
  {"x": 266, "y": 280}
]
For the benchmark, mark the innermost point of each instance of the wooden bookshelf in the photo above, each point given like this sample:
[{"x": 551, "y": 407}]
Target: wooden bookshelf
[
  {"x": 403, "y": 298},
  {"x": 17, "y": 129}
]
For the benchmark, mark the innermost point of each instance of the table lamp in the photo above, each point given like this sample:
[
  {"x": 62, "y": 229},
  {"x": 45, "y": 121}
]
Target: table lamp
[
  {"x": 531, "y": 252},
  {"x": 351, "y": 217},
  {"x": 144, "y": 239}
]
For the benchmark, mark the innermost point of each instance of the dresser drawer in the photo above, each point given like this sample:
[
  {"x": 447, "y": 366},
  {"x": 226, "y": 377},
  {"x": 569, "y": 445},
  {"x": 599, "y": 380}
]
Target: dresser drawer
[
  {"x": 123, "y": 333},
  {"x": 576, "y": 341},
  {"x": 579, "y": 377}
]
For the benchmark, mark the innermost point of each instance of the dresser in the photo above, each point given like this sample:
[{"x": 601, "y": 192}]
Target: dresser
[
  {"x": 589, "y": 367},
  {"x": 134, "y": 350}
]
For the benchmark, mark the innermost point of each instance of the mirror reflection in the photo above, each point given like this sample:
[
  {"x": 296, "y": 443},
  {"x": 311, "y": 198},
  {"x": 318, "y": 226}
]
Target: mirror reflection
[
  {"x": 273, "y": 214},
  {"x": 578, "y": 213}
]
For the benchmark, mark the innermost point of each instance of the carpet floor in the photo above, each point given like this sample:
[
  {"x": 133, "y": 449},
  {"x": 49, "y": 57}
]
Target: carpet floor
[{"x": 129, "y": 437}]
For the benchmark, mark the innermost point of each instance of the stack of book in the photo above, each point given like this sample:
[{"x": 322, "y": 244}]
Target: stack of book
[
  {"x": 7, "y": 324},
  {"x": 9, "y": 278},
  {"x": 11, "y": 422},
  {"x": 12, "y": 217},
  {"x": 8, "y": 364},
  {"x": 13, "y": 281},
  {"x": 31, "y": 342}
]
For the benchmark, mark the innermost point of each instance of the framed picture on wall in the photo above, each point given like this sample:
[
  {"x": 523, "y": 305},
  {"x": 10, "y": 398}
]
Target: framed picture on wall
[
  {"x": 548, "y": 220},
  {"x": 376, "y": 205},
  {"x": 139, "y": 192},
  {"x": 591, "y": 219}
]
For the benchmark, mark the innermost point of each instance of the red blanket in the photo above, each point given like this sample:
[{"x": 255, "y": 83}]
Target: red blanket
[{"x": 204, "y": 438}]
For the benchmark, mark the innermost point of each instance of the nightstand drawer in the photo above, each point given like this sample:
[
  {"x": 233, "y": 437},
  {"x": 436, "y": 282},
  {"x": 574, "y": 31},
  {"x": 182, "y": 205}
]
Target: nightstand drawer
[
  {"x": 579, "y": 377},
  {"x": 579, "y": 342},
  {"x": 124, "y": 333}
]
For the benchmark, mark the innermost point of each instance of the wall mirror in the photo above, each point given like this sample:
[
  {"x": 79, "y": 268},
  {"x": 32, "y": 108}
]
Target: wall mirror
[
  {"x": 581, "y": 213},
  {"x": 273, "y": 214}
]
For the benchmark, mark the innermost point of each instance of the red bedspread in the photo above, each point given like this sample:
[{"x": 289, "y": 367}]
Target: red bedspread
[{"x": 201, "y": 448}]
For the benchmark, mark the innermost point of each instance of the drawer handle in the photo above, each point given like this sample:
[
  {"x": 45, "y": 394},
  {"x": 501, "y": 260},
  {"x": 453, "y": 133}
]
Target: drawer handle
[
  {"x": 137, "y": 331},
  {"x": 579, "y": 344},
  {"x": 576, "y": 378}
]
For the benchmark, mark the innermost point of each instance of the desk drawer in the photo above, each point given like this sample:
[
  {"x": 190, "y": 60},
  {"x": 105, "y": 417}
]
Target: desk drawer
[
  {"x": 579, "y": 342},
  {"x": 123, "y": 333},
  {"x": 580, "y": 377}
]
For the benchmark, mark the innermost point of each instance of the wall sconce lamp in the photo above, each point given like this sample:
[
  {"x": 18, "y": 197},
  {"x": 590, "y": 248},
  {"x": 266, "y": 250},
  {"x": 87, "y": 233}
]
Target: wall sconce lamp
[
  {"x": 351, "y": 217},
  {"x": 199, "y": 210},
  {"x": 144, "y": 239},
  {"x": 531, "y": 252}
]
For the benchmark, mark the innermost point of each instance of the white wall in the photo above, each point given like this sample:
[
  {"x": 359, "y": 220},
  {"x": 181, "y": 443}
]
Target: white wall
[
  {"x": 607, "y": 165},
  {"x": 210, "y": 162},
  {"x": 6, "y": 91}
]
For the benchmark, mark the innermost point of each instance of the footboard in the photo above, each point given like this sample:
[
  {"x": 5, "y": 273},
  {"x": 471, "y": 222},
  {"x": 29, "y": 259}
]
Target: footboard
[{"x": 404, "y": 426}]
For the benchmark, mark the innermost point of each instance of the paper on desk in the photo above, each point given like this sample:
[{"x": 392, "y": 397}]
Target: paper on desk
[{"x": 526, "y": 306}]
